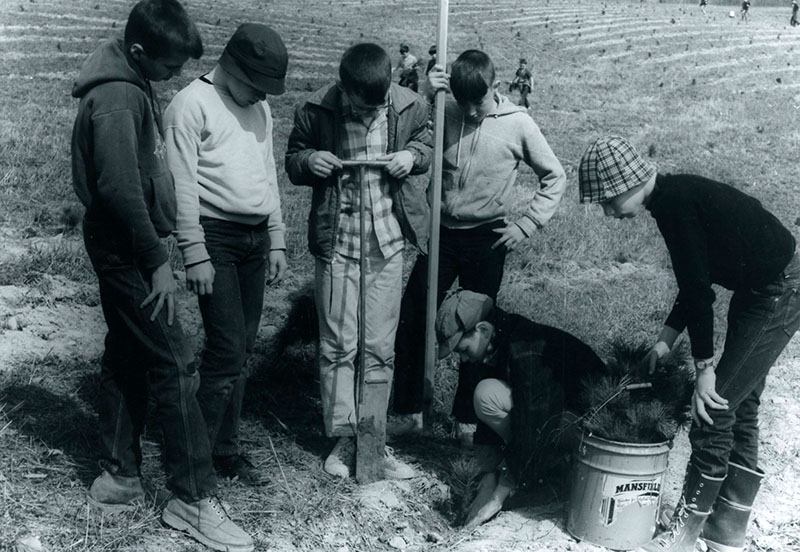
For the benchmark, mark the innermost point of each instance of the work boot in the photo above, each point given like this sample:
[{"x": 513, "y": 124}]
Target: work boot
[
  {"x": 341, "y": 458},
  {"x": 207, "y": 522},
  {"x": 115, "y": 493},
  {"x": 694, "y": 506},
  {"x": 405, "y": 424},
  {"x": 726, "y": 528},
  {"x": 238, "y": 467},
  {"x": 394, "y": 468}
]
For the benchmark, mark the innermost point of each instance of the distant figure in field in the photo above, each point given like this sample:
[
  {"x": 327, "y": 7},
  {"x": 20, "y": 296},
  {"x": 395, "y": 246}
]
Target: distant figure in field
[
  {"x": 703, "y": 6},
  {"x": 408, "y": 69},
  {"x": 432, "y": 60},
  {"x": 793, "y": 20},
  {"x": 523, "y": 81},
  {"x": 745, "y": 9}
]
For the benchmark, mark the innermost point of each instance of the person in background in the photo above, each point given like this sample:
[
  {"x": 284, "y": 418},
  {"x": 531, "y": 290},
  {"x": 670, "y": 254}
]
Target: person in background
[
  {"x": 229, "y": 225},
  {"x": 523, "y": 81},
  {"x": 715, "y": 234},
  {"x": 407, "y": 68},
  {"x": 432, "y": 60},
  {"x": 120, "y": 175},
  {"x": 362, "y": 117}
]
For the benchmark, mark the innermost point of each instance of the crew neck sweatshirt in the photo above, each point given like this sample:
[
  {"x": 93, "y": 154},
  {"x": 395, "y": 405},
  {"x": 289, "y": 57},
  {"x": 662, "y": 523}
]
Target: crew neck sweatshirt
[
  {"x": 715, "y": 234},
  {"x": 221, "y": 156}
]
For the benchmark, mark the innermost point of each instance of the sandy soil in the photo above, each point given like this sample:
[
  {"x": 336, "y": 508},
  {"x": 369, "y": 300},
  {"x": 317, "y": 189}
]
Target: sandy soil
[{"x": 53, "y": 320}]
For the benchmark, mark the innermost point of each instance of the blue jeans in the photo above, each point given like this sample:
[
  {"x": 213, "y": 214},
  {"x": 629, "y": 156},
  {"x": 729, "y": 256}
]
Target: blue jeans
[
  {"x": 146, "y": 358},
  {"x": 468, "y": 256},
  {"x": 231, "y": 315},
  {"x": 760, "y": 324}
]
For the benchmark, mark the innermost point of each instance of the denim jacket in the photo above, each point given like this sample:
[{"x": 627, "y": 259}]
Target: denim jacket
[{"x": 317, "y": 124}]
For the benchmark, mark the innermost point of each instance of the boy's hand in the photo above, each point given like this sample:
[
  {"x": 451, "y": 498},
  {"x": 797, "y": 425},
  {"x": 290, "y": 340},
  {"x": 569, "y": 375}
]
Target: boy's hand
[
  {"x": 510, "y": 237},
  {"x": 323, "y": 163},
  {"x": 400, "y": 163},
  {"x": 438, "y": 79},
  {"x": 277, "y": 266},
  {"x": 705, "y": 394},
  {"x": 200, "y": 278},
  {"x": 164, "y": 288}
]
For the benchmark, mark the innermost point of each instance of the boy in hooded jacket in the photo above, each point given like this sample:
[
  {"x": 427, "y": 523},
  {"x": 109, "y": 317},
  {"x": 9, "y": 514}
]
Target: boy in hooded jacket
[
  {"x": 120, "y": 175},
  {"x": 485, "y": 138}
]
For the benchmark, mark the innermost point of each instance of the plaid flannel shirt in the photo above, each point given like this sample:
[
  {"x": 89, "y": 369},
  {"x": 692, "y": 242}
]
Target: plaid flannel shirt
[{"x": 360, "y": 142}]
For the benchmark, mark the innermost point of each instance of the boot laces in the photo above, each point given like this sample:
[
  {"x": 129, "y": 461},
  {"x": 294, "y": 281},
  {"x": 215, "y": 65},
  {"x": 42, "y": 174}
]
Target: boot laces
[
  {"x": 678, "y": 522},
  {"x": 217, "y": 507}
]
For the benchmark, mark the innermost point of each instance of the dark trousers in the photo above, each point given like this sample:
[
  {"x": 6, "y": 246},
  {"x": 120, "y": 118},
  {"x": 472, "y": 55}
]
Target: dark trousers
[
  {"x": 760, "y": 324},
  {"x": 468, "y": 256},
  {"x": 143, "y": 357},
  {"x": 231, "y": 315}
]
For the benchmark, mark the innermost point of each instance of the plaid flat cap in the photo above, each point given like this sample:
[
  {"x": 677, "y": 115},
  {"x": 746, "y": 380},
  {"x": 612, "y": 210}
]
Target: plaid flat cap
[{"x": 610, "y": 167}]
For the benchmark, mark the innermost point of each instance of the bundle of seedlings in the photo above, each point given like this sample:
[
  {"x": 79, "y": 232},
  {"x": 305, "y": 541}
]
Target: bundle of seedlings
[{"x": 626, "y": 405}]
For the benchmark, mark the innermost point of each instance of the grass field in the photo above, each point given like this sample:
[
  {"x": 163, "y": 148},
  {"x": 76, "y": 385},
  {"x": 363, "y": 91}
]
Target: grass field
[{"x": 704, "y": 94}]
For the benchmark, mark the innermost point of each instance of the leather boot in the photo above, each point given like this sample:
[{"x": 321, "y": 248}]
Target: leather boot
[
  {"x": 699, "y": 493},
  {"x": 725, "y": 529}
]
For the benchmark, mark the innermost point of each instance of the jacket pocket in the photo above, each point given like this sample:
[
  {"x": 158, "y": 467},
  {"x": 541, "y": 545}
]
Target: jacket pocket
[
  {"x": 410, "y": 206},
  {"x": 159, "y": 193},
  {"x": 791, "y": 314},
  {"x": 480, "y": 200}
]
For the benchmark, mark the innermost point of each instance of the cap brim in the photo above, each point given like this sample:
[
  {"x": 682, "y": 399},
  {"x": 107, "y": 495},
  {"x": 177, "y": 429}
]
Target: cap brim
[
  {"x": 270, "y": 85},
  {"x": 445, "y": 349}
]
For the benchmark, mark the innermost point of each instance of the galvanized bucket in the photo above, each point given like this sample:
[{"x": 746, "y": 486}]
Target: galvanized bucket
[{"x": 616, "y": 491}]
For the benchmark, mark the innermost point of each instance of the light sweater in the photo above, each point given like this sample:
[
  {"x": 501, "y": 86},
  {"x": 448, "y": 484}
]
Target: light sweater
[
  {"x": 480, "y": 165},
  {"x": 221, "y": 157}
]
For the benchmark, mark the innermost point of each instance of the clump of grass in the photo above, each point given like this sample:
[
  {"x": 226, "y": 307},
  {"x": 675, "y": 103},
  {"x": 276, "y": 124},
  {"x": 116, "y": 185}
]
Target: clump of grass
[
  {"x": 60, "y": 257},
  {"x": 618, "y": 408}
]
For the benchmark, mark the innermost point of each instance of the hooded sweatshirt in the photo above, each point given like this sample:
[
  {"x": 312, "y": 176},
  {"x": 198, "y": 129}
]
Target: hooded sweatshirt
[
  {"x": 480, "y": 167},
  {"x": 119, "y": 169}
]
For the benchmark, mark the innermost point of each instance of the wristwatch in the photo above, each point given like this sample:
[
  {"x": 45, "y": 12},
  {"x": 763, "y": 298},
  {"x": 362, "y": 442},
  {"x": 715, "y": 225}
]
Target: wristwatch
[{"x": 702, "y": 365}]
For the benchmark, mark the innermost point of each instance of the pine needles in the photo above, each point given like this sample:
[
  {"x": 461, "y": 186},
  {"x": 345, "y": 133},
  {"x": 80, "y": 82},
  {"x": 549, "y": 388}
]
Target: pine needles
[{"x": 615, "y": 407}]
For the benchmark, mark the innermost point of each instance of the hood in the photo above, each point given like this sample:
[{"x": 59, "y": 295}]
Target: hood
[
  {"x": 506, "y": 107},
  {"x": 107, "y": 64}
]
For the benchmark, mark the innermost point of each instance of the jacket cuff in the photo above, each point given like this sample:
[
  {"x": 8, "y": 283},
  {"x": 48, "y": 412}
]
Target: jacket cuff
[
  {"x": 527, "y": 225},
  {"x": 152, "y": 258}
]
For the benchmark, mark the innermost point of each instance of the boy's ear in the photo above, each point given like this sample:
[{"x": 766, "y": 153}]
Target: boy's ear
[
  {"x": 496, "y": 85},
  {"x": 136, "y": 51}
]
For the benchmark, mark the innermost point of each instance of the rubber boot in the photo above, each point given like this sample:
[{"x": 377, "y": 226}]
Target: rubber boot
[
  {"x": 726, "y": 527},
  {"x": 694, "y": 506}
]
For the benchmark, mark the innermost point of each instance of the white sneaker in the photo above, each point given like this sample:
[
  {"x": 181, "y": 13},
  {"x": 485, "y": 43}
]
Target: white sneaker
[
  {"x": 394, "y": 468},
  {"x": 341, "y": 457},
  {"x": 405, "y": 424}
]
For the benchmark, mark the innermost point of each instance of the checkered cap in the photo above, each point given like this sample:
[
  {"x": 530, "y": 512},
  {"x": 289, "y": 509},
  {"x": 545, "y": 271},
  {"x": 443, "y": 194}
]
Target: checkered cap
[
  {"x": 609, "y": 167},
  {"x": 459, "y": 313}
]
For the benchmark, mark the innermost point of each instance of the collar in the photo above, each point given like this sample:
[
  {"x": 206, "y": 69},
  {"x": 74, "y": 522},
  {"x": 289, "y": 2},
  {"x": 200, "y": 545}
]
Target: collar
[{"x": 655, "y": 195}]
